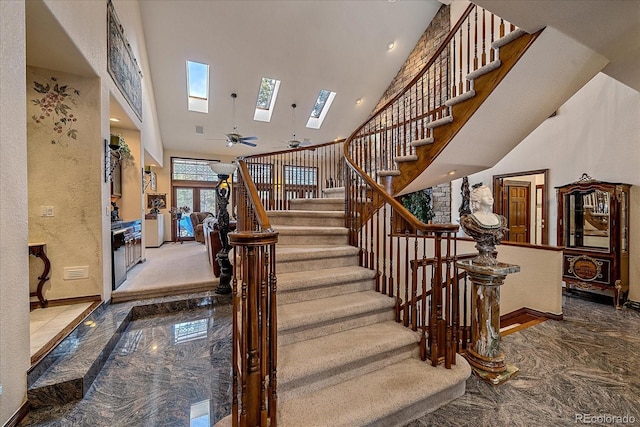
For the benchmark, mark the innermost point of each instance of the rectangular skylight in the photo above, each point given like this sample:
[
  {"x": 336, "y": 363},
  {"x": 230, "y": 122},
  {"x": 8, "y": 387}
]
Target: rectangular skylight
[
  {"x": 198, "y": 86},
  {"x": 320, "y": 109},
  {"x": 267, "y": 95}
]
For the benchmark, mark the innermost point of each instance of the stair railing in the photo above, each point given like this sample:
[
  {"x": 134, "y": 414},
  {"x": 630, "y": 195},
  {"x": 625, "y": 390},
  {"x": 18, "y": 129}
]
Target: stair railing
[
  {"x": 296, "y": 173},
  {"x": 255, "y": 316},
  {"x": 416, "y": 262},
  {"x": 394, "y": 133},
  {"x": 396, "y": 245}
]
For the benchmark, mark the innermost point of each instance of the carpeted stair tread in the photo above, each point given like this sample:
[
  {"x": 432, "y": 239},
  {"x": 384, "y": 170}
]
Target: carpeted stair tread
[
  {"x": 302, "y": 217},
  {"x": 309, "y": 229},
  {"x": 321, "y": 204},
  {"x": 328, "y": 310},
  {"x": 322, "y": 277},
  {"x": 320, "y": 359},
  {"x": 313, "y": 284},
  {"x": 391, "y": 396},
  {"x": 307, "y": 252}
]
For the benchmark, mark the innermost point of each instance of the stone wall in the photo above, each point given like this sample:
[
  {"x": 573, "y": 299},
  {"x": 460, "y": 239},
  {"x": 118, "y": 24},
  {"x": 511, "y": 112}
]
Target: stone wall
[
  {"x": 441, "y": 200},
  {"x": 422, "y": 52}
]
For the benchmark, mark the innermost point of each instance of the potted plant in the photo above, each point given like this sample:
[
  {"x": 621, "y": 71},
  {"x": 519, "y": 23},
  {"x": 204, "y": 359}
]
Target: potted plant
[{"x": 118, "y": 145}]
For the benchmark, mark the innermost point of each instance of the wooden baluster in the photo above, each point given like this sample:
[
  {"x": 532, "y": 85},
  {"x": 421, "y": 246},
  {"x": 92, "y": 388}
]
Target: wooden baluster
[
  {"x": 492, "y": 53},
  {"x": 449, "y": 351},
  {"x": 384, "y": 249},
  {"x": 407, "y": 297},
  {"x": 273, "y": 338},
  {"x": 468, "y": 83},
  {"x": 414, "y": 286},
  {"x": 377, "y": 240},
  {"x": 364, "y": 194},
  {"x": 234, "y": 354},
  {"x": 398, "y": 265},
  {"x": 475, "y": 40},
  {"x": 461, "y": 87},
  {"x": 501, "y": 28},
  {"x": 484, "y": 55}
]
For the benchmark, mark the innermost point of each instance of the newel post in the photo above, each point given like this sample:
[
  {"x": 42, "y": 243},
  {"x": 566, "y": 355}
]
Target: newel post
[{"x": 254, "y": 329}]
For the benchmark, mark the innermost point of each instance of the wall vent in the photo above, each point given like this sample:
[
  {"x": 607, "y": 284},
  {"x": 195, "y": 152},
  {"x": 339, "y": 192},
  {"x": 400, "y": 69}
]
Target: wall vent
[
  {"x": 73, "y": 273},
  {"x": 199, "y": 129}
]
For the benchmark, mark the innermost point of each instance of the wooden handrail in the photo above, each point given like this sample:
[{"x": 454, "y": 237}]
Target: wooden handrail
[
  {"x": 397, "y": 206},
  {"x": 436, "y": 54},
  {"x": 309, "y": 148},
  {"x": 254, "y": 198}
]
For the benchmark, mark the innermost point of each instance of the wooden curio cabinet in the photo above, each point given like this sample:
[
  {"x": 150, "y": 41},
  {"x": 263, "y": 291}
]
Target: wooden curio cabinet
[{"x": 593, "y": 226}]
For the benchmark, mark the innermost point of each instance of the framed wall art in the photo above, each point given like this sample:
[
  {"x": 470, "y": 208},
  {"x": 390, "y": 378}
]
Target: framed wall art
[{"x": 122, "y": 64}]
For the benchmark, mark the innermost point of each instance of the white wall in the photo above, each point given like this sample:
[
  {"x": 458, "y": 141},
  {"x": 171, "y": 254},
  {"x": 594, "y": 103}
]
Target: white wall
[
  {"x": 533, "y": 287},
  {"x": 595, "y": 132},
  {"x": 14, "y": 277}
]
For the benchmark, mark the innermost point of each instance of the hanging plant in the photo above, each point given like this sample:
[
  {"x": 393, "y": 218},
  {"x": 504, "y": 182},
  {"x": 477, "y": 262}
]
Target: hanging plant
[
  {"x": 117, "y": 143},
  {"x": 55, "y": 109},
  {"x": 419, "y": 204}
]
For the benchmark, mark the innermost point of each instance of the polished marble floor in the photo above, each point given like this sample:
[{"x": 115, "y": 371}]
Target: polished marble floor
[
  {"x": 166, "y": 370},
  {"x": 571, "y": 371},
  {"x": 46, "y": 323},
  {"x": 174, "y": 370}
]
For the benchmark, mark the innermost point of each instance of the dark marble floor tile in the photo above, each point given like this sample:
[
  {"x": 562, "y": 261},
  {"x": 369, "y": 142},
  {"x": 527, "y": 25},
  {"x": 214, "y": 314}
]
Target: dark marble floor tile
[
  {"x": 585, "y": 364},
  {"x": 161, "y": 366}
]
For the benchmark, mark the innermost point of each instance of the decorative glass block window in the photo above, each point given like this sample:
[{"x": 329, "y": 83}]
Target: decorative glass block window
[
  {"x": 198, "y": 86},
  {"x": 320, "y": 108},
  {"x": 267, "y": 95},
  {"x": 192, "y": 170},
  {"x": 300, "y": 175},
  {"x": 261, "y": 173},
  {"x": 189, "y": 331}
]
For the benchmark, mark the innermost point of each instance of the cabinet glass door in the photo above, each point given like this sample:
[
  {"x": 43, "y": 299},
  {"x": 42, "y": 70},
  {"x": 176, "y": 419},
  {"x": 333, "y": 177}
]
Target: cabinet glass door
[{"x": 588, "y": 220}]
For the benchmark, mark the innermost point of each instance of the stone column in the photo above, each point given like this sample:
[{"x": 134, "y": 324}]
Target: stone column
[{"x": 483, "y": 354}]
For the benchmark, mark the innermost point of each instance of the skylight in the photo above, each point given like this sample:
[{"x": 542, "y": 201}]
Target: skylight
[
  {"x": 320, "y": 109},
  {"x": 198, "y": 86},
  {"x": 266, "y": 99}
]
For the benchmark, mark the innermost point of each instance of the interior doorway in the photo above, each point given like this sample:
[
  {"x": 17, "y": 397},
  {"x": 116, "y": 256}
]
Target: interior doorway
[
  {"x": 520, "y": 198},
  {"x": 196, "y": 199}
]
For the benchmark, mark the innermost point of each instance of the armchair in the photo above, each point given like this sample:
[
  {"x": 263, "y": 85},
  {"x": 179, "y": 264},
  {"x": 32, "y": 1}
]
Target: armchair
[{"x": 197, "y": 218}]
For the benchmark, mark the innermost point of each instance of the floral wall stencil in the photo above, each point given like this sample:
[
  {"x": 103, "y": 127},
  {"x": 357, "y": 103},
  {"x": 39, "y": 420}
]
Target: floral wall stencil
[{"x": 55, "y": 109}]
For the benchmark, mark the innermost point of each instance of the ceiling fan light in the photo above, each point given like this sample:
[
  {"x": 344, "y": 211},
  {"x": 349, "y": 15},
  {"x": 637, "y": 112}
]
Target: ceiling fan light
[
  {"x": 391, "y": 45},
  {"x": 229, "y": 143},
  {"x": 358, "y": 101}
]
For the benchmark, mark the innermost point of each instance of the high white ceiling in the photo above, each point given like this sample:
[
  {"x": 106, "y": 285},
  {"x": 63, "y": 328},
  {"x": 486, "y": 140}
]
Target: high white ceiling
[
  {"x": 611, "y": 28},
  {"x": 308, "y": 45}
]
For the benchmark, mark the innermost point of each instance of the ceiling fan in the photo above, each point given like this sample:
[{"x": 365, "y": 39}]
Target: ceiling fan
[
  {"x": 234, "y": 137},
  {"x": 293, "y": 142}
]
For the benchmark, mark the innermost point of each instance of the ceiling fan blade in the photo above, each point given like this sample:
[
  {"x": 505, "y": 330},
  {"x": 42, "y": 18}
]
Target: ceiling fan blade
[
  {"x": 305, "y": 143},
  {"x": 248, "y": 138},
  {"x": 250, "y": 144}
]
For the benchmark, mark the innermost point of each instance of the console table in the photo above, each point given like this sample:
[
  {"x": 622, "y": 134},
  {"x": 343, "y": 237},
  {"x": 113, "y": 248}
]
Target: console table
[{"x": 37, "y": 250}]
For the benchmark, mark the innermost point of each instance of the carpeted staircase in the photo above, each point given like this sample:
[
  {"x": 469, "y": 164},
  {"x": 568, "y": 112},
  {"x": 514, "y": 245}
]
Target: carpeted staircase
[{"x": 342, "y": 359}]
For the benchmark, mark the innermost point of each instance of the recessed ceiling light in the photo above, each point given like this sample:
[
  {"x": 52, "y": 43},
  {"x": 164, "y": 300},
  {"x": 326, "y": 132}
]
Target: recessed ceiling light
[
  {"x": 391, "y": 45},
  {"x": 453, "y": 172},
  {"x": 358, "y": 101},
  {"x": 114, "y": 119}
]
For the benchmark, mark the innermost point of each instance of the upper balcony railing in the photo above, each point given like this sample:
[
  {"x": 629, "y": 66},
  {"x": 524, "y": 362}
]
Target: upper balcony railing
[{"x": 406, "y": 121}]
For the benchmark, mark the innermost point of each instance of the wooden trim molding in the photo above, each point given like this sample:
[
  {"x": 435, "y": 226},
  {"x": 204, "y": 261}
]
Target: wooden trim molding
[{"x": 22, "y": 412}]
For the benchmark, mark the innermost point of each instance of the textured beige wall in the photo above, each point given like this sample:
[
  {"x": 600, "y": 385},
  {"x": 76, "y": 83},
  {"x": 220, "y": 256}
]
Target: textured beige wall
[
  {"x": 130, "y": 203},
  {"x": 429, "y": 42},
  {"x": 14, "y": 301},
  {"x": 537, "y": 286},
  {"x": 64, "y": 175},
  {"x": 572, "y": 143}
]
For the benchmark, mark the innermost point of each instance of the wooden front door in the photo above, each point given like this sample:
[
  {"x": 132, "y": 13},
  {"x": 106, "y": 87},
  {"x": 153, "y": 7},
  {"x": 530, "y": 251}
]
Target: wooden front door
[{"x": 517, "y": 210}]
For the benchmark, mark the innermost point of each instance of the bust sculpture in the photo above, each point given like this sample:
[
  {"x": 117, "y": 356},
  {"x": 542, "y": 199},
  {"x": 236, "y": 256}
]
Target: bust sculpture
[{"x": 484, "y": 226}]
